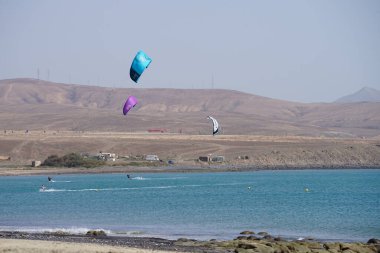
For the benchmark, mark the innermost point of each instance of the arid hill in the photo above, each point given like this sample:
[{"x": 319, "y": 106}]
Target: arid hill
[
  {"x": 365, "y": 94},
  {"x": 39, "y": 105}
]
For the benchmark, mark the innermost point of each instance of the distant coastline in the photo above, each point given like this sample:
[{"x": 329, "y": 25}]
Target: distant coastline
[
  {"x": 29, "y": 171},
  {"x": 183, "y": 153}
]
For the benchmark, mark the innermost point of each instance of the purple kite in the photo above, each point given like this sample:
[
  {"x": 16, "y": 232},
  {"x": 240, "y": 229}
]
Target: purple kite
[{"x": 129, "y": 104}]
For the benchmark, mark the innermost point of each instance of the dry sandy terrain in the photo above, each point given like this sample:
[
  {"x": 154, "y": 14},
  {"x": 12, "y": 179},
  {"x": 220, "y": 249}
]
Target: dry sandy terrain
[
  {"x": 262, "y": 151},
  {"x": 65, "y": 118},
  {"x": 39, "y": 105},
  {"x": 36, "y": 246}
]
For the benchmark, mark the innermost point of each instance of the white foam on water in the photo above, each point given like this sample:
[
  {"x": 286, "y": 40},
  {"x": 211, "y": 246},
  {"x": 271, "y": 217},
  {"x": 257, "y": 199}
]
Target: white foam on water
[
  {"x": 192, "y": 185},
  {"x": 161, "y": 187},
  {"x": 157, "y": 178},
  {"x": 69, "y": 230},
  {"x": 168, "y": 178},
  {"x": 106, "y": 189},
  {"x": 138, "y": 188},
  {"x": 226, "y": 184},
  {"x": 139, "y": 178}
]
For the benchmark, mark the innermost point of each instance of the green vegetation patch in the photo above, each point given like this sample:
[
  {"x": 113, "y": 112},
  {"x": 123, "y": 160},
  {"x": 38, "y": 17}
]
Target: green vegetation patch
[{"x": 72, "y": 160}]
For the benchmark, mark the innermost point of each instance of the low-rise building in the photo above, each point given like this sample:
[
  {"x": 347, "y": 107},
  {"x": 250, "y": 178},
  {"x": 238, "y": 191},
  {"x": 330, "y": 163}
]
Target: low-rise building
[
  {"x": 204, "y": 158},
  {"x": 4, "y": 158},
  {"x": 210, "y": 158},
  {"x": 218, "y": 158},
  {"x": 157, "y": 130},
  {"x": 152, "y": 158},
  {"x": 107, "y": 156},
  {"x": 36, "y": 163}
]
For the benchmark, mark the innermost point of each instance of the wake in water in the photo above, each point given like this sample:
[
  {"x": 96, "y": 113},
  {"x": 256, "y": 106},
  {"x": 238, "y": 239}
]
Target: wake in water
[
  {"x": 138, "y": 188},
  {"x": 105, "y": 189},
  {"x": 139, "y": 178},
  {"x": 50, "y": 179},
  {"x": 154, "y": 178},
  {"x": 167, "y": 178}
]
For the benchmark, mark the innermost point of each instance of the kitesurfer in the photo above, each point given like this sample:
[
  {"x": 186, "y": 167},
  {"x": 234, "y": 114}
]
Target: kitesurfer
[{"x": 49, "y": 178}]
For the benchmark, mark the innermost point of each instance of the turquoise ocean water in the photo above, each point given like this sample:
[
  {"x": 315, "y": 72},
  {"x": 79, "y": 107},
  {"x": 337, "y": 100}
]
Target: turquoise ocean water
[{"x": 340, "y": 204}]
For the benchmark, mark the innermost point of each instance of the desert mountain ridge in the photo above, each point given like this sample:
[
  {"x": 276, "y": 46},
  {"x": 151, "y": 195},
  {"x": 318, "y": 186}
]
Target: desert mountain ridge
[
  {"x": 40, "y": 105},
  {"x": 365, "y": 94}
]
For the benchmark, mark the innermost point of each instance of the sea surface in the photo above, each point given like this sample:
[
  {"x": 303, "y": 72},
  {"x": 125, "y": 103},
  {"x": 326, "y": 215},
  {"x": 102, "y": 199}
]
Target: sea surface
[{"x": 322, "y": 204}]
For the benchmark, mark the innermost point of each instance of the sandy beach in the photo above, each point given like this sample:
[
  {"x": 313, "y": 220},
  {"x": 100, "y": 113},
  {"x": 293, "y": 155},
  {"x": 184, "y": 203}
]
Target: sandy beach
[{"x": 38, "y": 246}]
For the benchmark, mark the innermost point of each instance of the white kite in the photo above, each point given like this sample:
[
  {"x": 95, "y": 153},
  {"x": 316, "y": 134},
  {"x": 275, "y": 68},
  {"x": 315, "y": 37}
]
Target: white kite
[{"x": 215, "y": 124}]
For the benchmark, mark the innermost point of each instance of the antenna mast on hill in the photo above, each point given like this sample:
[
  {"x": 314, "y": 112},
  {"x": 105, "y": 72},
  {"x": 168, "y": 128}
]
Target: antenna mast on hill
[
  {"x": 38, "y": 73},
  {"x": 212, "y": 81}
]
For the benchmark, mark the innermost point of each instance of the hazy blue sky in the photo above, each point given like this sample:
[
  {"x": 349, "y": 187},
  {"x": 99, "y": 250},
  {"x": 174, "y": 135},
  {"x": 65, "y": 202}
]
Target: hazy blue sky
[{"x": 306, "y": 51}]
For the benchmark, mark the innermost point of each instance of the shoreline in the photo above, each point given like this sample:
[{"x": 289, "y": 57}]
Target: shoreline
[
  {"x": 247, "y": 240},
  {"x": 240, "y": 152},
  {"x": 150, "y": 243},
  {"x": 43, "y": 246},
  {"x": 35, "y": 171}
]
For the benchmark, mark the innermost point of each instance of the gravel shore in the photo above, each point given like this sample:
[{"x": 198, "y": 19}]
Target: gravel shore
[
  {"x": 147, "y": 243},
  {"x": 246, "y": 243}
]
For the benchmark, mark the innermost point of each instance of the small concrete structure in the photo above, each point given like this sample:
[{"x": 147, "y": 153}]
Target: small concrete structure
[
  {"x": 157, "y": 130},
  {"x": 210, "y": 158},
  {"x": 152, "y": 158},
  {"x": 243, "y": 157},
  {"x": 218, "y": 158},
  {"x": 107, "y": 156},
  {"x": 5, "y": 158},
  {"x": 36, "y": 163},
  {"x": 204, "y": 158}
]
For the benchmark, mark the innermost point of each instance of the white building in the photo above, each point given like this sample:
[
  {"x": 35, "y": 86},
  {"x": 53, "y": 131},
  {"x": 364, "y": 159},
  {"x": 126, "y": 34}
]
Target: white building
[
  {"x": 152, "y": 158},
  {"x": 36, "y": 163},
  {"x": 107, "y": 156},
  {"x": 218, "y": 158}
]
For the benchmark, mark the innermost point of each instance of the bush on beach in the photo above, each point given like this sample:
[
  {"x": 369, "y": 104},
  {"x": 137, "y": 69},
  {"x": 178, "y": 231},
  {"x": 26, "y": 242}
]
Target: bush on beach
[{"x": 71, "y": 160}]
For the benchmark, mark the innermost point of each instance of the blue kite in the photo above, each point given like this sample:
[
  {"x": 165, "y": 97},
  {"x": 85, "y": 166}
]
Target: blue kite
[{"x": 139, "y": 64}]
